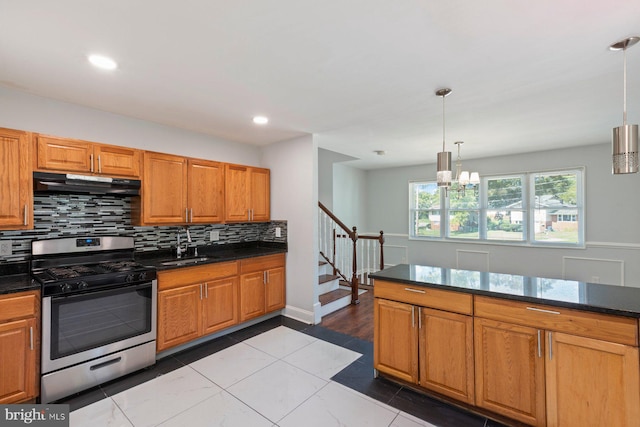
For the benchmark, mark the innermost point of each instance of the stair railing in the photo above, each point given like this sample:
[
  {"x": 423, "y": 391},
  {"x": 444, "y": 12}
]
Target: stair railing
[{"x": 342, "y": 248}]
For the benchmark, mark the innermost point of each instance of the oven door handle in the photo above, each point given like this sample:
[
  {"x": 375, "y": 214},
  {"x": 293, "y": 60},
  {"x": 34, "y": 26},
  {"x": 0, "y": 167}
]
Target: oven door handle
[{"x": 102, "y": 291}]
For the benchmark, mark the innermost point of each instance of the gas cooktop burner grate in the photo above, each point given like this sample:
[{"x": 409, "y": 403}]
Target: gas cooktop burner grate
[
  {"x": 70, "y": 272},
  {"x": 120, "y": 266}
]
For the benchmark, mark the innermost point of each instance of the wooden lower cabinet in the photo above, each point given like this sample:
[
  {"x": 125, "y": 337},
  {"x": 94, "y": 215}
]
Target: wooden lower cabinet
[
  {"x": 446, "y": 353},
  {"x": 19, "y": 347},
  {"x": 591, "y": 382},
  {"x": 262, "y": 286},
  {"x": 188, "y": 310},
  {"x": 432, "y": 348},
  {"x": 395, "y": 339},
  {"x": 509, "y": 369}
]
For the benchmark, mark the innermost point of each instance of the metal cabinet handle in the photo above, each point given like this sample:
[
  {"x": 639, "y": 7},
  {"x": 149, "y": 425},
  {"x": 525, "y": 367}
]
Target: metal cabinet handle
[
  {"x": 31, "y": 337},
  {"x": 206, "y": 291},
  {"x": 99, "y": 165},
  {"x": 550, "y": 347},
  {"x": 539, "y": 345},
  {"x": 200, "y": 290},
  {"x": 419, "y": 317},
  {"x": 543, "y": 311},
  {"x": 91, "y": 168},
  {"x": 413, "y": 316},
  {"x": 248, "y": 214},
  {"x": 191, "y": 212},
  {"x": 264, "y": 277},
  {"x": 25, "y": 214},
  {"x": 415, "y": 290},
  {"x": 186, "y": 214}
]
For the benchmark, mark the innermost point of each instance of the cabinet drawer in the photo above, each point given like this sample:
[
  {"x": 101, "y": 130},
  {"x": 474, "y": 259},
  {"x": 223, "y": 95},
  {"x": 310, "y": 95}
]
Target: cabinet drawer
[
  {"x": 456, "y": 302},
  {"x": 19, "y": 305},
  {"x": 198, "y": 274},
  {"x": 250, "y": 265},
  {"x": 619, "y": 329}
]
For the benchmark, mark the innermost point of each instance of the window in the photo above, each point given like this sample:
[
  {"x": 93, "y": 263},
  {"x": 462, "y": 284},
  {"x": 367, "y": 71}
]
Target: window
[{"x": 537, "y": 208}]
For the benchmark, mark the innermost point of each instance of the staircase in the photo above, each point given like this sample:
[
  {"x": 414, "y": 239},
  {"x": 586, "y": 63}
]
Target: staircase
[{"x": 346, "y": 260}]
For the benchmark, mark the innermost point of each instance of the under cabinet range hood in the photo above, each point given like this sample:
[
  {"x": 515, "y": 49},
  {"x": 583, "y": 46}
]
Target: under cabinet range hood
[{"x": 44, "y": 182}]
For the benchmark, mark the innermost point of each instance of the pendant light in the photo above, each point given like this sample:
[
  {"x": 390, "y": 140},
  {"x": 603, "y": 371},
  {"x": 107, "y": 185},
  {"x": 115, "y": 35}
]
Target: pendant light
[
  {"x": 625, "y": 137},
  {"x": 443, "y": 176}
]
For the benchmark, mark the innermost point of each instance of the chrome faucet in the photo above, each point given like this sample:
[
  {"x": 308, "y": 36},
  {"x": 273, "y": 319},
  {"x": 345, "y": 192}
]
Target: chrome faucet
[
  {"x": 179, "y": 250},
  {"x": 178, "y": 247}
]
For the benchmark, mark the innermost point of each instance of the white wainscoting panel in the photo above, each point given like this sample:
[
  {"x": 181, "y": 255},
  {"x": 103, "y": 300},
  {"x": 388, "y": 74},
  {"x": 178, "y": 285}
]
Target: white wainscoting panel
[
  {"x": 593, "y": 270},
  {"x": 394, "y": 255},
  {"x": 472, "y": 260}
]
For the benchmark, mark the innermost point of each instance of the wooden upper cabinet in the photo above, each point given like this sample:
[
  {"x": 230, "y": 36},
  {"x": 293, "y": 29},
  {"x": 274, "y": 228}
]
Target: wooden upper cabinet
[
  {"x": 179, "y": 190},
  {"x": 205, "y": 191},
  {"x": 164, "y": 189},
  {"x": 16, "y": 185},
  {"x": 73, "y": 155},
  {"x": 247, "y": 194},
  {"x": 117, "y": 161}
]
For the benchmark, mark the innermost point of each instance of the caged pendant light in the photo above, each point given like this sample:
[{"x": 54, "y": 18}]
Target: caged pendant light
[
  {"x": 443, "y": 176},
  {"x": 625, "y": 137}
]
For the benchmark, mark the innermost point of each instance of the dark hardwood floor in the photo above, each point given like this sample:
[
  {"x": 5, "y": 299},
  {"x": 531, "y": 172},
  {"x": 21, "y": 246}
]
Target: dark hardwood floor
[{"x": 354, "y": 320}]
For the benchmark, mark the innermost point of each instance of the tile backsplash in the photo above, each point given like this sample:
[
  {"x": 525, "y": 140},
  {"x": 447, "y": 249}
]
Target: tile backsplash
[{"x": 62, "y": 215}]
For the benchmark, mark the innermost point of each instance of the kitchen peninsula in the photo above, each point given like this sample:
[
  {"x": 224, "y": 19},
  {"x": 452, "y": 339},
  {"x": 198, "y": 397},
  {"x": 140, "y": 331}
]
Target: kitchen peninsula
[{"x": 543, "y": 352}]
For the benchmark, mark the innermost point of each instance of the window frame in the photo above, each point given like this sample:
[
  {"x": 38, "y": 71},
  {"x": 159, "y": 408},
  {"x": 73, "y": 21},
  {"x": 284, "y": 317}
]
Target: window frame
[{"x": 528, "y": 208}]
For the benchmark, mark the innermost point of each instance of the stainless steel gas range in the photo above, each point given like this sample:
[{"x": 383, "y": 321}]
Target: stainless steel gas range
[{"x": 98, "y": 312}]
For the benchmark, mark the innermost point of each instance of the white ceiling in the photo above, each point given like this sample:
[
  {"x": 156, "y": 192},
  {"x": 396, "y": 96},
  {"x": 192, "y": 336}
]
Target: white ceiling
[{"x": 359, "y": 74}]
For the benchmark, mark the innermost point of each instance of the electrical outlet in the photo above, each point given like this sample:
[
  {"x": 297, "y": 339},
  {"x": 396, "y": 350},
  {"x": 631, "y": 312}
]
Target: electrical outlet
[
  {"x": 214, "y": 236},
  {"x": 278, "y": 232},
  {"x": 6, "y": 247}
]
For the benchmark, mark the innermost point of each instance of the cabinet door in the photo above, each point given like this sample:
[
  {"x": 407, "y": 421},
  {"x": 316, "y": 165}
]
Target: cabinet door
[
  {"x": 220, "y": 305},
  {"x": 164, "y": 189},
  {"x": 206, "y": 191},
  {"x": 260, "y": 194},
  {"x": 252, "y": 293},
  {"x": 446, "y": 353},
  {"x": 18, "y": 356},
  {"x": 179, "y": 316},
  {"x": 236, "y": 193},
  {"x": 61, "y": 154},
  {"x": 275, "y": 290},
  {"x": 509, "y": 371},
  {"x": 395, "y": 339},
  {"x": 16, "y": 194},
  {"x": 117, "y": 161},
  {"x": 591, "y": 382}
]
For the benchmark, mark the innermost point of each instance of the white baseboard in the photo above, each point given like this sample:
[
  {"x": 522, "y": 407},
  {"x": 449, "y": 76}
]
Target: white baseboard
[{"x": 304, "y": 316}]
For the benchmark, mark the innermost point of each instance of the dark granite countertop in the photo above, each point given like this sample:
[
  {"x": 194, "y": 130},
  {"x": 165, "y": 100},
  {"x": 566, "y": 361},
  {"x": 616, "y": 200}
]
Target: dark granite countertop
[
  {"x": 609, "y": 299},
  {"x": 215, "y": 254},
  {"x": 15, "y": 277}
]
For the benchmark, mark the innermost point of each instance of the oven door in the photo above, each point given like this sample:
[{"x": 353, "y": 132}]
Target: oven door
[{"x": 78, "y": 328}]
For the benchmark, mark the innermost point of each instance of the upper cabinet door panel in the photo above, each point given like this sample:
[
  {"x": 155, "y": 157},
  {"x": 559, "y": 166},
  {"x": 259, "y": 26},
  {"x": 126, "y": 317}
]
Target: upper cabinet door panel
[
  {"x": 164, "y": 189},
  {"x": 260, "y": 194},
  {"x": 16, "y": 195},
  {"x": 63, "y": 154},
  {"x": 236, "y": 193},
  {"x": 205, "y": 191},
  {"x": 117, "y": 161}
]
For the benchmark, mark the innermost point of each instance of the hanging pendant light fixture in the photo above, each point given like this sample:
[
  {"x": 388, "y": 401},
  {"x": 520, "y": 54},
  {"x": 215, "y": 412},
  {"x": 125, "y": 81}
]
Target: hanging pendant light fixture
[
  {"x": 443, "y": 176},
  {"x": 625, "y": 137},
  {"x": 464, "y": 179}
]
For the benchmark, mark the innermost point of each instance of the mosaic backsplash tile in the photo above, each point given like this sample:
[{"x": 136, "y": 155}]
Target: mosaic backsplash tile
[{"x": 61, "y": 215}]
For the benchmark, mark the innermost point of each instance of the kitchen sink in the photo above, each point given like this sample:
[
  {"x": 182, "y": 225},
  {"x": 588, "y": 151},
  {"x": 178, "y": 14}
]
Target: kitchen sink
[{"x": 186, "y": 261}]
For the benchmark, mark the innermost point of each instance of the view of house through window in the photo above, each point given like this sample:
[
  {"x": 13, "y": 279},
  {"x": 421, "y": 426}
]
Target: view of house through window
[{"x": 542, "y": 208}]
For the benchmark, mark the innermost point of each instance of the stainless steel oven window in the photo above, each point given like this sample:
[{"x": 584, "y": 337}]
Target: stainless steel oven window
[{"x": 85, "y": 321}]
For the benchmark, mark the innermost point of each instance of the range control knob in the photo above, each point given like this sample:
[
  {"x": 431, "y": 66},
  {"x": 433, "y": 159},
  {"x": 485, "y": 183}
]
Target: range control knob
[
  {"x": 142, "y": 275},
  {"x": 65, "y": 287},
  {"x": 130, "y": 278},
  {"x": 83, "y": 285}
]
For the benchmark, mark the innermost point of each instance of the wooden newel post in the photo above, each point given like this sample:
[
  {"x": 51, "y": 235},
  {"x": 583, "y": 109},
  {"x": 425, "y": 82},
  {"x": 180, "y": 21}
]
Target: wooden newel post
[
  {"x": 381, "y": 250},
  {"x": 354, "y": 276}
]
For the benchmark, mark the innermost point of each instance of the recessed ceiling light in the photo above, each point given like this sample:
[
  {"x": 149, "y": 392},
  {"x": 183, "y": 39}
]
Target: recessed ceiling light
[
  {"x": 103, "y": 62},
  {"x": 380, "y": 152},
  {"x": 260, "y": 120}
]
